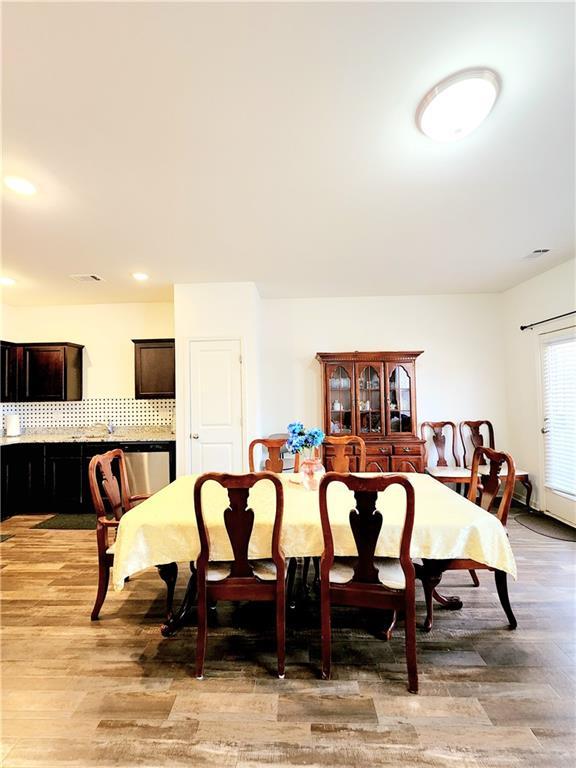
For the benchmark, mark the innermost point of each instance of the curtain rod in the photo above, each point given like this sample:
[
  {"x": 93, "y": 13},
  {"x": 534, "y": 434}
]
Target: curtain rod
[{"x": 548, "y": 319}]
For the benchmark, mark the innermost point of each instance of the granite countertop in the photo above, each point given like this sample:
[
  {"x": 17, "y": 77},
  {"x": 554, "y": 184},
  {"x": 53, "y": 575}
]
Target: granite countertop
[{"x": 92, "y": 435}]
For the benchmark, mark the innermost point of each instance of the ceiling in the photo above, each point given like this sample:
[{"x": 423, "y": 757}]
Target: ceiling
[{"x": 276, "y": 143}]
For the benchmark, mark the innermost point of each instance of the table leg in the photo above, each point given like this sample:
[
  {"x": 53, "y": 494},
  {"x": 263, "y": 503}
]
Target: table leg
[
  {"x": 169, "y": 575},
  {"x": 430, "y": 574},
  {"x": 182, "y": 615}
]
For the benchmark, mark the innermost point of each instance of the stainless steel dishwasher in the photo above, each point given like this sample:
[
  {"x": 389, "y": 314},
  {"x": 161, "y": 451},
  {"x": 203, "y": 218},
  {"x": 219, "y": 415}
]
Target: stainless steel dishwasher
[{"x": 149, "y": 470}]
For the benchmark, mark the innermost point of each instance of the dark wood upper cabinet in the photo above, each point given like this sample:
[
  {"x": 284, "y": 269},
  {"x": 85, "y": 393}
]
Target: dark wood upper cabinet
[
  {"x": 8, "y": 371},
  {"x": 154, "y": 363},
  {"x": 50, "y": 372}
]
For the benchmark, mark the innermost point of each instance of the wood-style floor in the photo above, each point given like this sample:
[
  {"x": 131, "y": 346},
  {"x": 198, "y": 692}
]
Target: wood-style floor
[{"x": 114, "y": 693}]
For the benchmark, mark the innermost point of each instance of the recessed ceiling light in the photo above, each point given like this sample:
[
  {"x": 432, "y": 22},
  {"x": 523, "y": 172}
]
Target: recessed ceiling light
[
  {"x": 140, "y": 276},
  {"x": 7, "y": 281},
  {"x": 458, "y": 104},
  {"x": 19, "y": 185}
]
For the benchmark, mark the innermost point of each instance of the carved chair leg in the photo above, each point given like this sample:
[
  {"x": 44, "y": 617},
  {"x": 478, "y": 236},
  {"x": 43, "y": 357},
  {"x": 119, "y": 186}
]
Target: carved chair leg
[
  {"x": 326, "y": 630},
  {"x": 281, "y": 631},
  {"x": 410, "y": 641},
  {"x": 290, "y": 579},
  {"x": 316, "y": 561},
  {"x": 305, "y": 570},
  {"x": 474, "y": 576},
  {"x": 429, "y": 588},
  {"x": 502, "y": 588},
  {"x": 169, "y": 575},
  {"x": 103, "y": 581},
  {"x": 528, "y": 485},
  {"x": 391, "y": 625},
  {"x": 202, "y": 629}
]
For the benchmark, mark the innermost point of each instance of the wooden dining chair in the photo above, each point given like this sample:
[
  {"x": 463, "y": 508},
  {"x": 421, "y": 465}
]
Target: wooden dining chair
[
  {"x": 368, "y": 581},
  {"x": 471, "y": 433},
  {"x": 240, "y": 579},
  {"x": 339, "y": 460},
  {"x": 439, "y": 440},
  {"x": 111, "y": 499},
  {"x": 441, "y": 470},
  {"x": 484, "y": 487},
  {"x": 274, "y": 461}
]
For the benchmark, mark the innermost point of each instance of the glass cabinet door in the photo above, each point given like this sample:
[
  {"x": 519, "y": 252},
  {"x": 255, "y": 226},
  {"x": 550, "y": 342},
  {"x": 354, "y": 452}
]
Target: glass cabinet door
[
  {"x": 399, "y": 398},
  {"x": 369, "y": 399},
  {"x": 340, "y": 400}
]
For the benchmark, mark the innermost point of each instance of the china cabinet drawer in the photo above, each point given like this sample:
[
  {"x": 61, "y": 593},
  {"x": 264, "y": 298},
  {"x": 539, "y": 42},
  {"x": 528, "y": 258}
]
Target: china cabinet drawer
[
  {"x": 410, "y": 450},
  {"x": 377, "y": 463},
  {"x": 406, "y": 464}
]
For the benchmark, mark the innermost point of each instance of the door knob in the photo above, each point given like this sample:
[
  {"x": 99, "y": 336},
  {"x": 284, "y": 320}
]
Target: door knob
[
  {"x": 195, "y": 435},
  {"x": 544, "y": 431}
]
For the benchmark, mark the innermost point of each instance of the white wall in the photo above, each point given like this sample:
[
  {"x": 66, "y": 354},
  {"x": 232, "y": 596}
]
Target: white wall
[
  {"x": 224, "y": 311},
  {"x": 459, "y": 375},
  {"x": 106, "y": 330},
  {"x": 551, "y": 293}
]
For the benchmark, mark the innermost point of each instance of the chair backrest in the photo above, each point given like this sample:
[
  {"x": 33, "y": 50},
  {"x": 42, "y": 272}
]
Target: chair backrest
[
  {"x": 109, "y": 484},
  {"x": 239, "y": 519},
  {"x": 471, "y": 430},
  {"x": 274, "y": 462},
  {"x": 439, "y": 440},
  {"x": 341, "y": 460},
  {"x": 483, "y": 489},
  {"x": 366, "y": 522}
]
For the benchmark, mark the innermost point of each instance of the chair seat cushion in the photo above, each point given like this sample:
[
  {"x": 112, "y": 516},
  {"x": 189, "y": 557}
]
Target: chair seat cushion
[
  {"x": 483, "y": 469},
  {"x": 263, "y": 569},
  {"x": 448, "y": 471},
  {"x": 390, "y": 571}
]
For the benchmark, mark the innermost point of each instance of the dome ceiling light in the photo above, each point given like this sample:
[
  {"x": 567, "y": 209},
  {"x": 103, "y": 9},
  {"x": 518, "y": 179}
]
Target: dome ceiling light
[{"x": 458, "y": 104}]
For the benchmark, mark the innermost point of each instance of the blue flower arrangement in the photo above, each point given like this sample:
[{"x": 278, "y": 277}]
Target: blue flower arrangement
[{"x": 300, "y": 439}]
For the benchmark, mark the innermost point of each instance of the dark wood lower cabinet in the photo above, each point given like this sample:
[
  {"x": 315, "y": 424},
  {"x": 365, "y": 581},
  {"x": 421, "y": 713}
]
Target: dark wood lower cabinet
[
  {"x": 53, "y": 477},
  {"x": 64, "y": 478}
]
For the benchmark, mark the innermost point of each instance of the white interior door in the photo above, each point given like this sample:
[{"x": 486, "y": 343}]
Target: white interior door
[
  {"x": 558, "y": 353},
  {"x": 215, "y": 406}
]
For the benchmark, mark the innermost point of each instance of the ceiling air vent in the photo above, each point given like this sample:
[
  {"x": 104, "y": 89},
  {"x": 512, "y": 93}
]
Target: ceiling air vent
[{"x": 87, "y": 278}]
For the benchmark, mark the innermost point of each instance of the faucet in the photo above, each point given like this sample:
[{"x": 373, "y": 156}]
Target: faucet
[{"x": 110, "y": 427}]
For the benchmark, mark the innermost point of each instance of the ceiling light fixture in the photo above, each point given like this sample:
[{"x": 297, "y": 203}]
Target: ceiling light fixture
[
  {"x": 19, "y": 185},
  {"x": 141, "y": 276},
  {"x": 458, "y": 104},
  {"x": 7, "y": 281}
]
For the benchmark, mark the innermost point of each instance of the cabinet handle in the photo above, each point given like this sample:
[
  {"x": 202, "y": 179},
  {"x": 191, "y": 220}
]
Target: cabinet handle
[
  {"x": 406, "y": 450},
  {"x": 195, "y": 436},
  {"x": 382, "y": 450}
]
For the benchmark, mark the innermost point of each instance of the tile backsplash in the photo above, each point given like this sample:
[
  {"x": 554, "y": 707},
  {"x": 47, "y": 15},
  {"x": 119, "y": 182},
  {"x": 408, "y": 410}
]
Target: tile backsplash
[{"x": 121, "y": 411}]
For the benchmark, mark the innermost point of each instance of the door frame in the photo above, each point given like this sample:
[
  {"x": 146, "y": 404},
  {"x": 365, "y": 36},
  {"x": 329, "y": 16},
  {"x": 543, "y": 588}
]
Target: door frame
[
  {"x": 539, "y": 340},
  {"x": 183, "y": 378}
]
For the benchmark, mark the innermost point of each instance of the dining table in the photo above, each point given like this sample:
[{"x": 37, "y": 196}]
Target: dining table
[{"x": 162, "y": 530}]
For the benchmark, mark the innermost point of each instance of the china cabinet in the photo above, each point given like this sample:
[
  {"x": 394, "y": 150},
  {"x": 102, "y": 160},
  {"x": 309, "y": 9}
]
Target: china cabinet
[{"x": 373, "y": 395}]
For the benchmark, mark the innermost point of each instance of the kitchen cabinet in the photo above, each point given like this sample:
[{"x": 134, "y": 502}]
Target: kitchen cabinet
[
  {"x": 23, "y": 481},
  {"x": 373, "y": 395},
  {"x": 49, "y": 372},
  {"x": 44, "y": 478},
  {"x": 8, "y": 358},
  {"x": 66, "y": 486},
  {"x": 154, "y": 368}
]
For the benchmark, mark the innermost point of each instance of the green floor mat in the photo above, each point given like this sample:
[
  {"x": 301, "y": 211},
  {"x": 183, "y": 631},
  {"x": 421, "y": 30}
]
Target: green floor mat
[{"x": 84, "y": 522}]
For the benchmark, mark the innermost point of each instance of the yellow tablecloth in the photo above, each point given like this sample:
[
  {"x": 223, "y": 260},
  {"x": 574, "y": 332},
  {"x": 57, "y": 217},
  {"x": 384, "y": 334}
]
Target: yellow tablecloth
[{"x": 163, "y": 528}]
